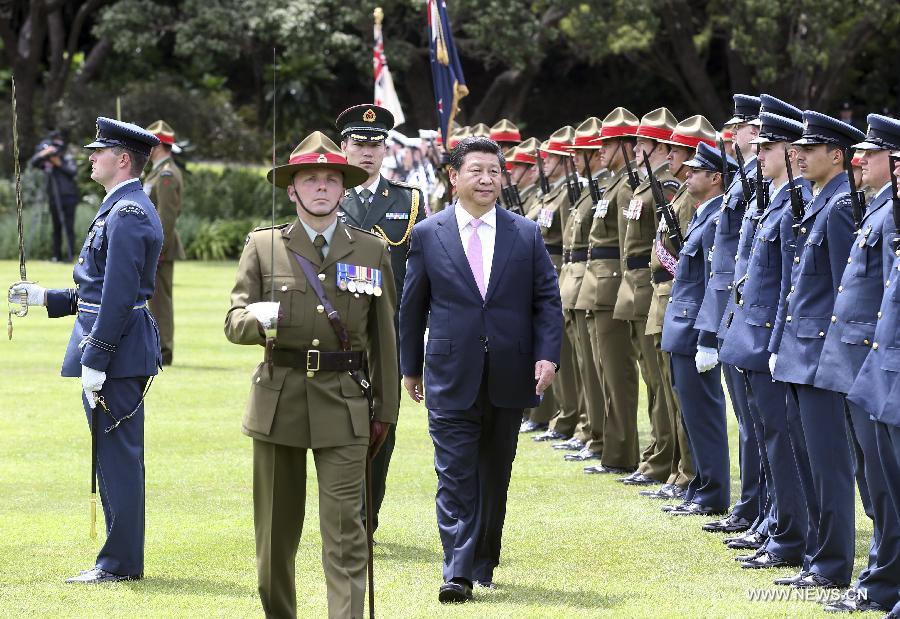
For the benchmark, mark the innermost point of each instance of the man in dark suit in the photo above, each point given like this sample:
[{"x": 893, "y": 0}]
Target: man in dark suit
[{"x": 482, "y": 280}]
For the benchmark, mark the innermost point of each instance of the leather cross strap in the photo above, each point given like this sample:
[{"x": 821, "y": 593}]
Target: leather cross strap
[{"x": 309, "y": 270}]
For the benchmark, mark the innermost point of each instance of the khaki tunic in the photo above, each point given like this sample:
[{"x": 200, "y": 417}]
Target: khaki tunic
[{"x": 164, "y": 185}]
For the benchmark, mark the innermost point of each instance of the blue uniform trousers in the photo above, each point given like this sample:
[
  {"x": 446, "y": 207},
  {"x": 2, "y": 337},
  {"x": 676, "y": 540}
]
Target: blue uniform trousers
[
  {"x": 764, "y": 519},
  {"x": 473, "y": 454},
  {"x": 830, "y": 498},
  {"x": 703, "y": 414},
  {"x": 787, "y": 535},
  {"x": 751, "y": 504},
  {"x": 120, "y": 475}
]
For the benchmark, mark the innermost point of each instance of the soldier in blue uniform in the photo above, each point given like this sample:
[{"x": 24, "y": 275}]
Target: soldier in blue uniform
[
  {"x": 727, "y": 223},
  {"x": 699, "y": 393},
  {"x": 823, "y": 453},
  {"x": 847, "y": 343},
  {"x": 114, "y": 346},
  {"x": 388, "y": 208},
  {"x": 745, "y": 332}
]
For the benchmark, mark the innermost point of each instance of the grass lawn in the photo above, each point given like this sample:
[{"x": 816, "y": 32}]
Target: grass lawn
[{"x": 574, "y": 545}]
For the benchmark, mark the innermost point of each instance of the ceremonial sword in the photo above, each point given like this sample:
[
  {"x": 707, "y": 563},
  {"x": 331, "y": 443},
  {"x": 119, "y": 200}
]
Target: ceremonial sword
[{"x": 23, "y": 278}]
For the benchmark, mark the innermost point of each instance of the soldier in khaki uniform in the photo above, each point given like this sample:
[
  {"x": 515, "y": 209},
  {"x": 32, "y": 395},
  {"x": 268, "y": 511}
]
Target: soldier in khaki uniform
[
  {"x": 637, "y": 228},
  {"x": 163, "y": 183},
  {"x": 610, "y": 337},
  {"x": 683, "y": 144},
  {"x": 304, "y": 396}
]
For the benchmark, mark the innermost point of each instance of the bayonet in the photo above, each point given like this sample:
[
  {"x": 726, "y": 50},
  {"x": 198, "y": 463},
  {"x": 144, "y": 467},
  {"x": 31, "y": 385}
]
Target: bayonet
[
  {"x": 632, "y": 175},
  {"x": 745, "y": 183},
  {"x": 545, "y": 183},
  {"x": 726, "y": 179},
  {"x": 592, "y": 182}
]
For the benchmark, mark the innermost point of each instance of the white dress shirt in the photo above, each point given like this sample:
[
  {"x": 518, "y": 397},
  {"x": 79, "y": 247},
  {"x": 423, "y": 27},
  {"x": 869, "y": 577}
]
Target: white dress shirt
[
  {"x": 487, "y": 233},
  {"x": 122, "y": 184}
]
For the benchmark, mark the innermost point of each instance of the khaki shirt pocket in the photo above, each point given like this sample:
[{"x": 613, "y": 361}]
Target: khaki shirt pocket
[{"x": 357, "y": 405}]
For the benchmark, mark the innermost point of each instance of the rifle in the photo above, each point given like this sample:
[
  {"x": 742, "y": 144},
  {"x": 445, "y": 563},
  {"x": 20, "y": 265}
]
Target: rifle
[
  {"x": 545, "y": 184},
  {"x": 663, "y": 208},
  {"x": 593, "y": 185},
  {"x": 511, "y": 195},
  {"x": 892, "y": 161},
  {"x": 857, "y": 197},
  {"x": 726, "y": 180},
  {"x": 632, "y": 175},
  {"x": 797, "y": 206},
  {"x": 573, "y": 189},
  {"x": 745, "y": 184},
  {"x": 762, "y": 193}
]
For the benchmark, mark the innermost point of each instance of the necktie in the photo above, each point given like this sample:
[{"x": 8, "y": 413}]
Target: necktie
[
  {"x": 474, "y": 254},
  {"x": 319, "y": 244},
  {"x": 366, "y": 196}
]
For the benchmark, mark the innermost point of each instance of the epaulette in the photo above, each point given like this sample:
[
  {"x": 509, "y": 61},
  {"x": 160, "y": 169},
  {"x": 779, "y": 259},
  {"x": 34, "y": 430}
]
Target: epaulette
[
  {"x": 130, "y": 208},
  {"x": 403, "y": 184},
  {"x": 671, "y": 184},
  {"x": 843, "y": 200},
  {"x": 369, "y": 232},
  {"x": 277, "y": 227}
]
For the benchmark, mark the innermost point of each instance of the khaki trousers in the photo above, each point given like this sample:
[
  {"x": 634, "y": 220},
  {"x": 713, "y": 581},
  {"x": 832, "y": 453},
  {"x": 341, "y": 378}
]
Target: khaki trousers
[
  {"x": 682, "y": 469},
  {"x": 566, "y": 391},
  {"x": 596, "y": 400},
  {"x": 161, "y": 308},
  {"x": 656, "y": 460}
]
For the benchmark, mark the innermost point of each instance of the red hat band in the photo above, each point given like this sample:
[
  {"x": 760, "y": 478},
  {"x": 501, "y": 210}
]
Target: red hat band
[
  {"x": 654, "y": 133},
  {"x": 318, "y": 158},
  {"x": 616, "y": 132},
  {"x": 506, "y": 136}
]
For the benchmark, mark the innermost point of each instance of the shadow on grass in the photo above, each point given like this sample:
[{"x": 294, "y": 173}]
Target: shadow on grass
[
  {"x": 162, "y": 585},
  {"x": 537, "y": 596}
]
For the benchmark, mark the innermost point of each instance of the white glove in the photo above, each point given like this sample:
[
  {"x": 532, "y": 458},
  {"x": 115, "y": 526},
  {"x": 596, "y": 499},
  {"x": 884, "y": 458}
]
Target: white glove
[
  {"x": 265, "y": 312},
  {"x": 772, "y": 359},
  {"x": 91, "y": 381},
  {"x": 36, "y": 294},
  {"x": 706, "y": 358}
]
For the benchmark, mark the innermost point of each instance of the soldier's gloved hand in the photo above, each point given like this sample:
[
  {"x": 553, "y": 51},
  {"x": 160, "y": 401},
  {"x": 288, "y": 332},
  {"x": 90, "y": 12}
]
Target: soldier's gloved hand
[
  {"x": 706, "y": 358},
  {"x": 772, "y": 359},
  {"x": 37, "y": 295},
  {"x": 91, "y": 381},
  {"x": 265, "y": 312}
]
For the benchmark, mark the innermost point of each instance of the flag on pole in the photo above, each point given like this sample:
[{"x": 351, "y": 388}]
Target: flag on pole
[
  {"x": 385, "y": 93},
  {"x": 446, "y": 71}
]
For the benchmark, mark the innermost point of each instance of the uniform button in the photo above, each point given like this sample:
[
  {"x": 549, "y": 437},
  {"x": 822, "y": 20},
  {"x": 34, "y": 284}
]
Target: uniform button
[
  {"x": 874, "y": 345},
  {"x": 803, "y": 230},
  {"x": 866, "y": 342},
  {"x": 741, "y": 303},
  {"x": 81, "y": 260},
  {"x": 320, "y": 309},
  {"x": 257, "y": 379},
  {"x": 796, "y": 259},
  {"x": 769, "y": 325},
  {"x": 77, "y": 286},
  {"x": 310, "y": 374},
  {"x": 849, "y": 260},
  {"x": 834, "y": 319},
  {"x": 315, "y": 342},
  {"x": 887, "y": 283},
  {"x": 615, "y": 274},
  {"x": 788, "y": 318},
  {"x": 321, "y": 277},
  {"x": 670, "y": 299},
  {"x": 821, "y": 334},
  {"x": 684, "y": 312},
  {"x": 879, "y": 314},
  {"x": 730, "y": 286},
  {"x": 284, "y": 289},
  {"x": 792, "y": 289},
  {"x": 840, "y": 289}
]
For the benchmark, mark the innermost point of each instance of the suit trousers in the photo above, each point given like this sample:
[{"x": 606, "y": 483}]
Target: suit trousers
[
  {"x": 656, "y": 459},
  {"x": 279, "y": 509},
  {"x": 120, "y": 475},
  {"x": 830, "y": 498},
  {"x": 595, "y": 399},
  {"x": 887, "y": 442},
  {"x": 162, "y": 309},
  {"x": 473, "y": 454},
  {"x": 681, "y": 470},
  {"x": 787, "y": 534},
  {"x": 569, "y": 398},
  {"x": 617, "y": 364},
  {"x": 703, "y": 410},
  {"x": 752, "y": 502}
]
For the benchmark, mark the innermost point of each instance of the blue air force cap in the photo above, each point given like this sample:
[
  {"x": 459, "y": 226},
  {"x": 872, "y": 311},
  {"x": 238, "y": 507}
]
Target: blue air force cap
[
  {"x": 710, "y": 159},
  {"x": 126, "y": 135},
  {"x": 746, "y": 108},
  {"x": 774, "y": 105},
  {"x": 775, "y": 128},
  {"x": 821, "y": 129},
  {"x": 884, "y": 134}
]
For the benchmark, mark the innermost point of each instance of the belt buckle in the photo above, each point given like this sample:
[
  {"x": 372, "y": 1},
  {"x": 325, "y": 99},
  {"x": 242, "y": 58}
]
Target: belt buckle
[{"x": 310, "y": 359}]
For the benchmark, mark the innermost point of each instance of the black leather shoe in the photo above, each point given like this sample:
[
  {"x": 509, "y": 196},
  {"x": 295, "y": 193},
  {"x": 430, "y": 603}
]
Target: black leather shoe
[
  {"x": 817, "y": 581},
  {"x": 671, "y": 508},
  {"x": 695, "y": 509},
  {"x": 790, "y": 580},
  {"x": 853, "y": 602},
  {"x": 767, "y": 560},
  {"x": 582, "y": 456},
  {"x": 742, "y": 558},
  {"x": 657, "y": 493},
  {"x": 730, "y": 524},
  {"x": 548, "y": 435},
  {"x": 531, "y": 426},
  {"x": 609, "y": 470},
  {"x": 678, "y": 493},
  {"x": 746, "y": 542},
  {"x": 639, "y": 479},
  {"x": 573, "y": 444},
  {"x": 456, "y": 591},
  {"x": 95, "y": 576}
]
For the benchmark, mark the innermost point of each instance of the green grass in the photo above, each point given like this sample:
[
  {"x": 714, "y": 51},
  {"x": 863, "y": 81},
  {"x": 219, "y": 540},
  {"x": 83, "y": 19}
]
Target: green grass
[{"x": 574, "y": 545}]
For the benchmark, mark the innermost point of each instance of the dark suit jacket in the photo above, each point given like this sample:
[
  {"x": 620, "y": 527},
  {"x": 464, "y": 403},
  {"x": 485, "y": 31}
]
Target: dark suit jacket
[{"x": 519, "y": 322}]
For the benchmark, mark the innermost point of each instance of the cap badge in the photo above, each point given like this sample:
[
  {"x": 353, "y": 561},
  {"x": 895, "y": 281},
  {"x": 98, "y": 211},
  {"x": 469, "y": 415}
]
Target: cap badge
[
  {"x": 369, "y": 116},
  {"x": 322, "y": 159},
  {"x": 805, "y": 125}
]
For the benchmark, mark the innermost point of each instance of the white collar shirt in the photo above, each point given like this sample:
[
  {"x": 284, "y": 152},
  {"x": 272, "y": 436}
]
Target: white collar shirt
[{"x": 487, "y": 234}]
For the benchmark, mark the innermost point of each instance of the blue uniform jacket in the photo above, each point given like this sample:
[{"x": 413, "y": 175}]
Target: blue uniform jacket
[
  {"x": 115, "y": 274},
  {"x": 876, "y": 388},
  {"x": 691, "y": 277},
  {"x": 804, "y": 312},
  {"x": 852, "y": 330},
  {"x": 728, "y": 223},
  {"x": 749, "y": 324}
]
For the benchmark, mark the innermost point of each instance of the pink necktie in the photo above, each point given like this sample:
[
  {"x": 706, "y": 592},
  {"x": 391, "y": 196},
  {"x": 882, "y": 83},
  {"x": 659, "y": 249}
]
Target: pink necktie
[{"x": 473, "y": 253}]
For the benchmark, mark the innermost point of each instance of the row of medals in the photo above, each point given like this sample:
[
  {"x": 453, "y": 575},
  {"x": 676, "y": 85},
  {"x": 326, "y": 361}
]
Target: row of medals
[{"x": 360, "y": 286}]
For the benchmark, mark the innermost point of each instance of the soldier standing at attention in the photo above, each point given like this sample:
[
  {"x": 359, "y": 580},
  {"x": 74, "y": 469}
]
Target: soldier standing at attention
[
  {"x": 389, "y": 209},
  {"x": 163, "y": 183},
  {"x": 114, "y": 346},
  {"x": 308, "y": 394}
]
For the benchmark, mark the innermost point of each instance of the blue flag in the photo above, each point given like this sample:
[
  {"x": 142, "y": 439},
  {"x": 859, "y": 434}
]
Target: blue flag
[{"x": 446, "y": 72}]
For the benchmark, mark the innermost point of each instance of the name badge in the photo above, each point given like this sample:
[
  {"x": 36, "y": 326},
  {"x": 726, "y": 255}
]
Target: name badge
[
  {"x": 634, "y": 210},
  {"x": 396, "y": 215},
  {"x": 545, "y": 218},
  {"x": 601, "y": 208}
]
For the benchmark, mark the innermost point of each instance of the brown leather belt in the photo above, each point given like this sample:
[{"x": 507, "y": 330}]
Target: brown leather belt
[
  {"x": 662, "y": 276},
  {"x": 319, "y": 360}
]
